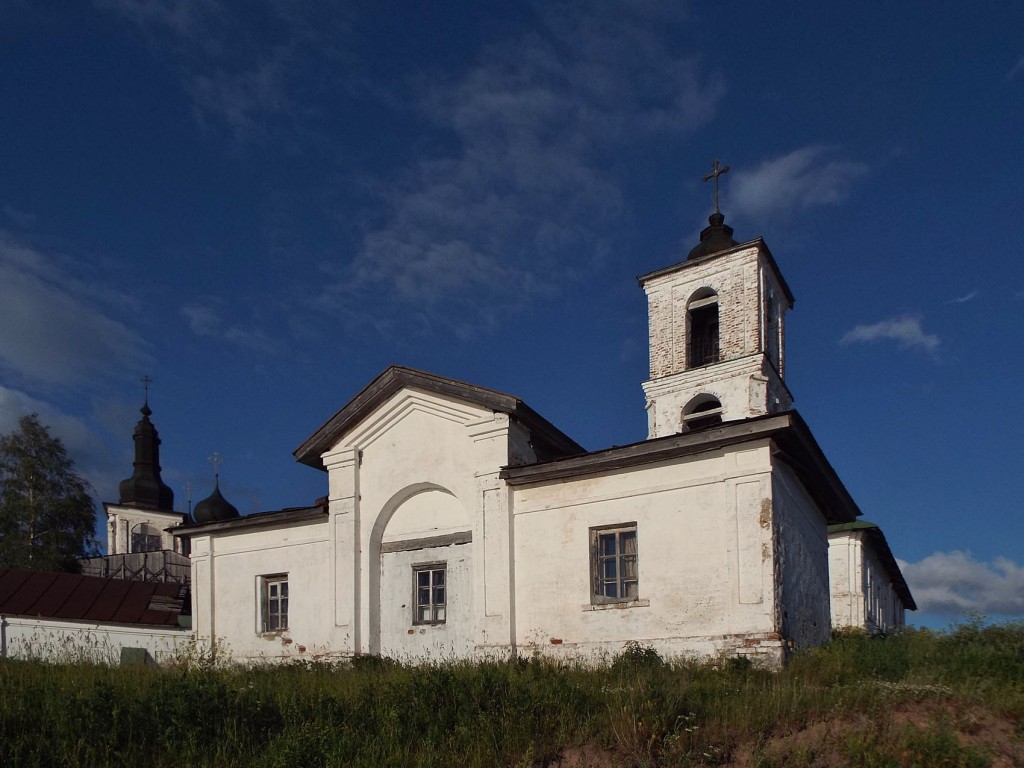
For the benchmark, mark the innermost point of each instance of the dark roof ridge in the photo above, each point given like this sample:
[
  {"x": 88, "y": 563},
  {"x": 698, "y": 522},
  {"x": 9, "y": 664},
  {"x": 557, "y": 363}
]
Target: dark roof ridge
[
  {"x": 792, "y": 437},
  {"x": 396, "y": 377},
  {"x": 255, "y": 520}
]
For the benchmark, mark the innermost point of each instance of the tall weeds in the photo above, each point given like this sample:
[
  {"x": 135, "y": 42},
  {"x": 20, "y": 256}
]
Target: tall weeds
[{"x": 636, "y": 709}]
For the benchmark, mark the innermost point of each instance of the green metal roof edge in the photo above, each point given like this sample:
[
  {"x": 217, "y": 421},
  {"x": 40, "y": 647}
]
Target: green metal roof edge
[{"x": 857, "y": 525}]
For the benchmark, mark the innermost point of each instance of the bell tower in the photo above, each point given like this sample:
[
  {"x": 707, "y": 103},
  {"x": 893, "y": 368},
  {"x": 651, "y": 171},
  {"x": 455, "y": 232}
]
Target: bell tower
[
  {"x": 717, "y": 332},
  {"x": 145, "y": 507}
]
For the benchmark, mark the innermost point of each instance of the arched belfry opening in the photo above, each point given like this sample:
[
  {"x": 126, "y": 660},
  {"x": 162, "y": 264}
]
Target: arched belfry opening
[
  {"x": 703, "y": 346},
  {"x": 702, "y": 411}
]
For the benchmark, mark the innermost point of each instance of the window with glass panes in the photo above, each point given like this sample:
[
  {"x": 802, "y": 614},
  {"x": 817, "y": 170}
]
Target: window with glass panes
[
  {"x": 614, "y": 563},
  {"x": 275, "y": 603},
  {"x": 430, "y": 592}
]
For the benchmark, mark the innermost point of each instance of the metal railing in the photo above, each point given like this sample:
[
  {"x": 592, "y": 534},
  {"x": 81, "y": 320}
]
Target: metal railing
[{"x": 162, "y": 566}]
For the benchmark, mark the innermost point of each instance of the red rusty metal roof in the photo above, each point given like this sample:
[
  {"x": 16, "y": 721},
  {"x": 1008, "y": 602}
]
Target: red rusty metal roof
[{"x": 73, "y": 597}]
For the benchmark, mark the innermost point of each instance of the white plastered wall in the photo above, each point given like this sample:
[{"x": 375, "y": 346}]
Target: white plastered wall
[
  {"x": 704, "y": 544},
  {"x": 862, "y": 594},
  {"x": 32, "y": 637},
  {"x": 416, "y": 444},
  {"x": 403, "y": 639},
  {"x": 122, "y": 521},
  {"x": 226, "y": 590},
  {"x": 802, "y": 559}
]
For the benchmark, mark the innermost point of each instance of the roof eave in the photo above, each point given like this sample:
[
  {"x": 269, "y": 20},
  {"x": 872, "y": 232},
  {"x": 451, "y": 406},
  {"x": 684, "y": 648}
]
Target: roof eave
[
  {"x": 757, "y": 242},
  {"x": 396, "y": 378},
  {"x": 892, "y": 567},
  {"x": 788, "y": 432},
  {"x": 261, "y": 520}
]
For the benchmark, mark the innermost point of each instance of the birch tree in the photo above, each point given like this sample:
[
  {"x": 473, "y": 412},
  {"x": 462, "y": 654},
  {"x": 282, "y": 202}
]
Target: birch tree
[{"x": 47, "y": 516}]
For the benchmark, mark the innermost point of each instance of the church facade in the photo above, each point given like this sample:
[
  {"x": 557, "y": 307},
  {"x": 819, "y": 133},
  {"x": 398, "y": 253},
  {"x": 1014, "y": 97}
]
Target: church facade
[{"x": 459, "y": 522}]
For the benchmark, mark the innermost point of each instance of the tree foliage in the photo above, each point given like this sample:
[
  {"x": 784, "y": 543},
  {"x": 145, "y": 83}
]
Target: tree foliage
[{"x": 47, "y": 516}]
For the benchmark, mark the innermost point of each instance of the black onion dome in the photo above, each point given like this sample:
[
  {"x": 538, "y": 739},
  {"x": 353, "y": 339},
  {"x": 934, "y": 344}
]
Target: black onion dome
[
  {"x": 214, "y": 508},
  {"x": 145, "y": 489},
  {"x": 715, "y": 237}
]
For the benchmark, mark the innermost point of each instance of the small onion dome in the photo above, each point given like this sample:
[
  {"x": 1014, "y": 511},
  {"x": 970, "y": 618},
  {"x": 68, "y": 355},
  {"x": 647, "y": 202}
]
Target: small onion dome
[
  {"x": 214, "y": 508},
  {"x": 715, "y": 237}
]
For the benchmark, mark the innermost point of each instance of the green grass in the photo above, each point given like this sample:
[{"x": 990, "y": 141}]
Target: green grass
[{"x": 923, "y": 698}]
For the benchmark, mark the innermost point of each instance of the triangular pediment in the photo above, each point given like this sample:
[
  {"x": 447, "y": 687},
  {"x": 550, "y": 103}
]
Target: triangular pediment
[{"x": 399, "y": 391}]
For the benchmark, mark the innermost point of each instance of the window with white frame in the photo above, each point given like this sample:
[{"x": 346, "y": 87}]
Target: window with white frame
[
  {"x": 430, "y": 593},
  {"x": 274, "y": 602},
  {"x": 613, "y": 564}
]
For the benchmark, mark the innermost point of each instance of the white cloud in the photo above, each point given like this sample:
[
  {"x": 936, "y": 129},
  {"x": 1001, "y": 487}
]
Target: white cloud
[
  {"x": 906, "y": 331},
  {"x": 965, "y": 298},
  {"x": 782, "y": 186},
  {"x": 56, "y": 329},
  {"x": 204, "y": 320},
  {"x": 954, "y": 583},
  {"x": 525, "y": 198}
]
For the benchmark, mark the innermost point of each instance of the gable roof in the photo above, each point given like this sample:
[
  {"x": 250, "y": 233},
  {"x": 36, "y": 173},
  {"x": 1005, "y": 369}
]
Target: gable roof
[
  {"x": 875, "y": 536},
  {"x": 793, "y": 444},
  {"x": 73, "y": 597},
  {"x": 547, "y": 440}
]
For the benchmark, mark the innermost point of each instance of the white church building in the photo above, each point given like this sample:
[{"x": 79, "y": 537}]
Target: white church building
[{"x": 459, "y": 522}]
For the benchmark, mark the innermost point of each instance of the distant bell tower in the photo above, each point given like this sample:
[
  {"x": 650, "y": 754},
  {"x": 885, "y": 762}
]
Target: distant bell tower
[
  {"x": 145, "y": 507},
  {"x": 717, "y": 332}
]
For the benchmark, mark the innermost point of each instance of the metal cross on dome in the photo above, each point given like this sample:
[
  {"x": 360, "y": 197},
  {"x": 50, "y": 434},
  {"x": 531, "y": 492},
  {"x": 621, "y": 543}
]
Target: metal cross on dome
[
  {"x": 716, "y": 170},
  {"x": 146, "y": 381},
  {"x": 216, "y": 460}
]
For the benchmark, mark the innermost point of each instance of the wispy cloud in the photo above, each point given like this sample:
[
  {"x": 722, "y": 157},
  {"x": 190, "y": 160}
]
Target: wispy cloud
[
  {"x": 965, "y": 298},
  {"x": 783, "y": 186},
  {"x": 21, "y": 218},
  {"x": 206, "y": 321},
  {"x": 1017, "y": 69},
  {"x": 906, "y": 331},
  {"x": 525, "y": 198},
  {"x": 97, "y": 465},
  {"x": 954, "y": 583},
  {"x": 190, "y": 19},
  {"x": 57, "y": 329},
  {"x": 239, "y": 68}
]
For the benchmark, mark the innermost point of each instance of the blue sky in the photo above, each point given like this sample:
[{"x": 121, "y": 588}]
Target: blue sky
[{"x": 262, "y": 206}]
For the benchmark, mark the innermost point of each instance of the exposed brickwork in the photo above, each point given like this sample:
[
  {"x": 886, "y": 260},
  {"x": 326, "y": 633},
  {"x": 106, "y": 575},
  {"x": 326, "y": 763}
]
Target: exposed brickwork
[{"x": 751, "y": 315}]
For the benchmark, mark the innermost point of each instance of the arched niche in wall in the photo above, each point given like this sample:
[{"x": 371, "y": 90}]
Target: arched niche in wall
[
  {"x": 422, "y": 512},
  {"x": 422, "y": 533}
]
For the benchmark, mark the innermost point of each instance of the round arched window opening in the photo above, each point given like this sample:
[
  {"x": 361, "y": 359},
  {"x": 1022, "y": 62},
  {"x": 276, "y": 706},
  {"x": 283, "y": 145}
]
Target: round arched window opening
[
  {"x": 702, "y": 411},
  {"x": 702, "y": 325},
  {"x": 145, "y": 538}
]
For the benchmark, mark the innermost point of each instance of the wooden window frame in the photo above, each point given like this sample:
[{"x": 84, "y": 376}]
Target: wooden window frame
[
  {"x": 274, "y": 595},
  {"x": 438, "y": 609},
  {"x": 599, "y": 582}
]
